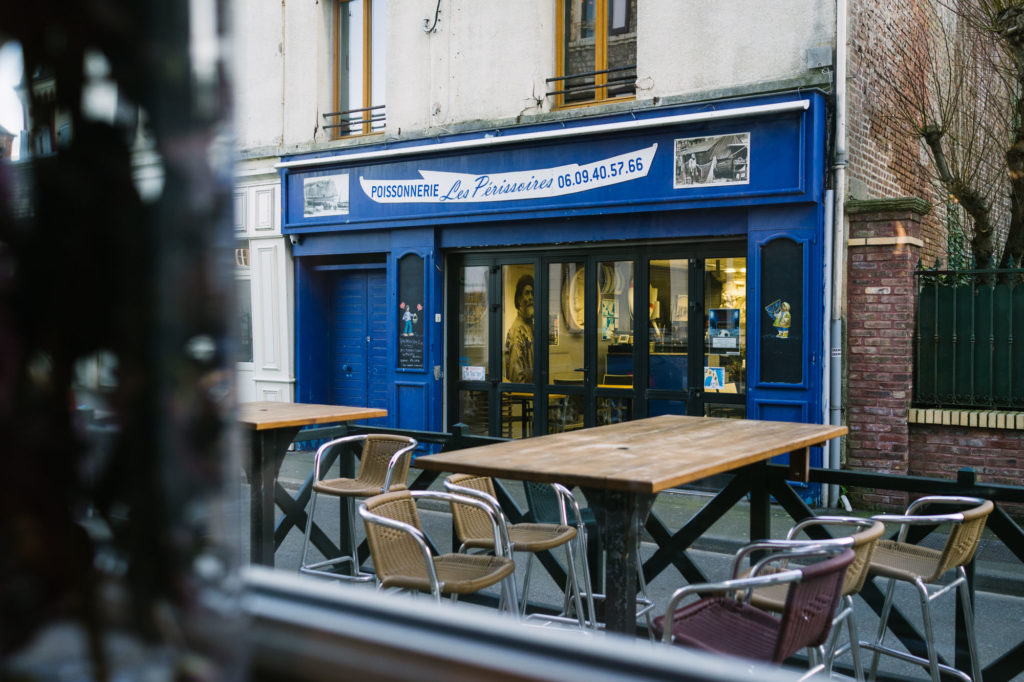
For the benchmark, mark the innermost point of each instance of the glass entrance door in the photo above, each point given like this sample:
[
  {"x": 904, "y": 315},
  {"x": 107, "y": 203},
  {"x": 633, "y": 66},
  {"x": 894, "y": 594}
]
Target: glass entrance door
[{"x": 567, "y": 340}]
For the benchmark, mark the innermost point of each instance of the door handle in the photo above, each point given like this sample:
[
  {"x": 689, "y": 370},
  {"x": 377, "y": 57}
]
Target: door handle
[{"x": 346, "y": 368}]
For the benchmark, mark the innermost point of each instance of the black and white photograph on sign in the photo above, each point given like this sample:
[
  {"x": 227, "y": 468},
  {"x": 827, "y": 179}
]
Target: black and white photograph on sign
[
  {"x": 718, "y": 160},
  {"x": 325, "y": 195}
]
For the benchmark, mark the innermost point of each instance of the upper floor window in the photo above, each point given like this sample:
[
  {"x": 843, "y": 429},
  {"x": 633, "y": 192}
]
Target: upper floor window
[
  {"x": 359, "y": 67},
  {"x": 596, "y": 53}
]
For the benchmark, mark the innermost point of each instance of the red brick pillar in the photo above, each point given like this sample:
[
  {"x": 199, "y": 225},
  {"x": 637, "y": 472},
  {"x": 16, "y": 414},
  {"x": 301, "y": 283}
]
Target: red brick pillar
[{"x": 882, "y": 252}]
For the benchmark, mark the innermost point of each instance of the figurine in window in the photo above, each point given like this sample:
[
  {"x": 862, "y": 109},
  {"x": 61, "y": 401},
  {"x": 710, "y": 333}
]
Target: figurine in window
[
  {"x": 782, "y": 319},
  {"x": 519, "y": 339}
]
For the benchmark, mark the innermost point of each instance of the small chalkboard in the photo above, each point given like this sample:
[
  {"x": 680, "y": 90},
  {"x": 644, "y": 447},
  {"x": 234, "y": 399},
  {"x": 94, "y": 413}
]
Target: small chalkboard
[{"x": 411, "y": 312}]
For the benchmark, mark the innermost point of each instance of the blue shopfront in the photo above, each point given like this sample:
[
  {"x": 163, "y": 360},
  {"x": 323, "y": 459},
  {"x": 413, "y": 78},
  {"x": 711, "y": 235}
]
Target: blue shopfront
[{"x": 550, "y": 277}]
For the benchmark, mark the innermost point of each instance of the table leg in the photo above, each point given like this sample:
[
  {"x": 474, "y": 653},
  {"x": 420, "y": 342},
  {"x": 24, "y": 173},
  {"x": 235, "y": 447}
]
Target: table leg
[
  {"x": 268, "y": 449},
  {"x": 760, "y": 502},
  {"x": 619, "y": 515}
]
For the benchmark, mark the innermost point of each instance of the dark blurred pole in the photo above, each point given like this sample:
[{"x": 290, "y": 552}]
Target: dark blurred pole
[{"x": 94, "y": 266}]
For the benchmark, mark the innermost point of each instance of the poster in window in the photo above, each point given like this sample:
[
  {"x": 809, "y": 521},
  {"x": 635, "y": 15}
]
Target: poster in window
[
  {"x": 410, "y": 312},
  {"x": 782, "y": 295},
  {"x": 724, "y": 330}
]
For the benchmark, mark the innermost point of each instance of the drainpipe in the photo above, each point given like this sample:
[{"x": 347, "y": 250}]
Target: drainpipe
[
  {"x": 284, "y": 72},
  {"x": 828, "y": 496},
  {"x": 838, "y": 242}
]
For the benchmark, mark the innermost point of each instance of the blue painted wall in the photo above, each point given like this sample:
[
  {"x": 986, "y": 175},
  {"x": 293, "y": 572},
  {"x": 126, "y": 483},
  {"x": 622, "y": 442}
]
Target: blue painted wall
[{"x": 782, "y": 199}]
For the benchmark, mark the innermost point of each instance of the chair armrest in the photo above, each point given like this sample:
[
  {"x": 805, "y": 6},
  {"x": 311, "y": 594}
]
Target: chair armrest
[
  {"x": 566, "y": 501},
  {"x": 943, "y": 499},
  {"x": 786, "y": 550},
  {"x": 393, "y": 462},
  {"x": 322, "y": 450},
  {"x": 732, "y": 586},
  {"x": 852, "y": 521},
  {"x": 905, "y": 521}
]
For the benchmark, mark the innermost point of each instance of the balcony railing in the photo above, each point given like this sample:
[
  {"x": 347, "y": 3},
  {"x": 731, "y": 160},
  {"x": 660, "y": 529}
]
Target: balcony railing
[
  {"x": 578, "y": 88},
  {"x": 356, "y": 121}
]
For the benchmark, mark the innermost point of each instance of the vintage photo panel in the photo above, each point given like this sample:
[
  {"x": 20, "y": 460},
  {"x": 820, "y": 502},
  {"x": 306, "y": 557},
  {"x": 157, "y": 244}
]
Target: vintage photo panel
[
  {"x": 718, "y": 160},
  {"x": 325, "y": 195}
]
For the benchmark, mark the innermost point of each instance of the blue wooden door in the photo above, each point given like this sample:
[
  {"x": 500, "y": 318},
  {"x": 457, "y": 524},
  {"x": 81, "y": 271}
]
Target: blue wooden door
[{"x": 359, "y": 340}]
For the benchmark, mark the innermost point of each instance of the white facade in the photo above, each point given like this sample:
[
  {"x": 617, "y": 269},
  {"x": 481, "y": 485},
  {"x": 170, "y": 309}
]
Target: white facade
[{"x": 484, "y": 66}]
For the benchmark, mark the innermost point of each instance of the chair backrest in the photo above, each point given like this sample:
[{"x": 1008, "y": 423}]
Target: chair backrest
[
  {"x": 864, "y": 543},
  {"x": 863, "y": 548},
  {"x": 543, "y": 502},
  {"x": 378, "y": 451},
  {"x": 395, "y": 553},
  {"x": 811, "y": 605},
  {"x": 472, "y": 523},
  {"x": 964, "y": 537}
]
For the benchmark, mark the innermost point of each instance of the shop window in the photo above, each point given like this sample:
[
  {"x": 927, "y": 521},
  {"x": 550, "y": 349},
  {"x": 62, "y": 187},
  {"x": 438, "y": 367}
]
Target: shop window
[
  {"x": 782, "y": 293},
  {"x": 725, "y": 336},
  {"x": 359, "y": 42},
  {"x": 243, "y": 304},
  {"x": 244, "y": 328},
  {"x": 596, "y": 52},
  {"x": 410, "y": 312}
]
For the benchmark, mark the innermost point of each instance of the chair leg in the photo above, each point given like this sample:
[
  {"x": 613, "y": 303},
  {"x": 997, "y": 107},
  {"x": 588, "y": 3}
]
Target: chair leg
[
  {"x": 574, "y": 585},
  {"x": 968, "y": 611},
  {"x": 851, "y": 626},
  {"x": 648, "y": 605},
  {"x": 309, "y": 529},
  {"x": 526, "y": 585},
  {"x": 322, "y": 567},
  {"x": 929, "y": 634},
  {"x": 882, "y": 623},
  {"x": 935, "y": 668},
  {"x": 350, "y": 503}
]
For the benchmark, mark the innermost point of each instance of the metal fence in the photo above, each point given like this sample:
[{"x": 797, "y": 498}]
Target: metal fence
[
  {"x": 673, "y": 544},
  {"x": 969, "y": 325}
]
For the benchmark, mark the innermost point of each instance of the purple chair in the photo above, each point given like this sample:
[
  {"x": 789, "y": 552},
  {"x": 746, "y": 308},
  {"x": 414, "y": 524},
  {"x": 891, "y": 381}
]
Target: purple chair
[{"x": 728, "y": 624}]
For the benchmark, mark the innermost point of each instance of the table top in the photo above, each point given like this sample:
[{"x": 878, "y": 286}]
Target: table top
[
  {"x": 267, "y": 414},
  {"x": 644, "y": 456}
]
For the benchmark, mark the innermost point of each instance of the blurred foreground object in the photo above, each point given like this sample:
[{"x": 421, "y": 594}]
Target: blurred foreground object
[{"x": 114, "y": 256}]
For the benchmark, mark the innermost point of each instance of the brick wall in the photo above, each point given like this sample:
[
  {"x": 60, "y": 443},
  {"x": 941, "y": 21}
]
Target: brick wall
[
  {"x": 886, "y": 435},
  {"x": 883, "y": 251},
  {"x": 888, "y": 48},
  {"x": 996, "y": 455}
]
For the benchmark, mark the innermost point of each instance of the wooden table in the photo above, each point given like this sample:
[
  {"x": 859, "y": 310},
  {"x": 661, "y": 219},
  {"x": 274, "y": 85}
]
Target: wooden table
[
  {"x": 621, "y": 467},
  {"x": 273, "y": 426}
]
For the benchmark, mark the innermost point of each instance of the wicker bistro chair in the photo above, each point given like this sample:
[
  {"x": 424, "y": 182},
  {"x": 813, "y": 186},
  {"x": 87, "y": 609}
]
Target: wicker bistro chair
[
  {"x": 550, "y": 503},
  {"x": 383, "y": 466},
  {"x": 900, "y": 560},
  {"x": 402, "y": 558},
  {"x": 862, "y": 543},
  {"x": 729, "y": 624},
  {"x": 472, "y": 531}
]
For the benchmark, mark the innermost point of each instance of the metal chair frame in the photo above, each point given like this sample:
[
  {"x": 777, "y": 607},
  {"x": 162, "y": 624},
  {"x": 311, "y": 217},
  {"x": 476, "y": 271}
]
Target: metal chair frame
[
  {"x": 451, "y": 485},
  {"x": 437, "y": 587},
  {"x": 318, "y": 568},
  {"x": 981, "y": 508},
  {"x": 566, "y": 500},
  {"x": 763, "y": 573},
  {"x": 862, "y": 543}
]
